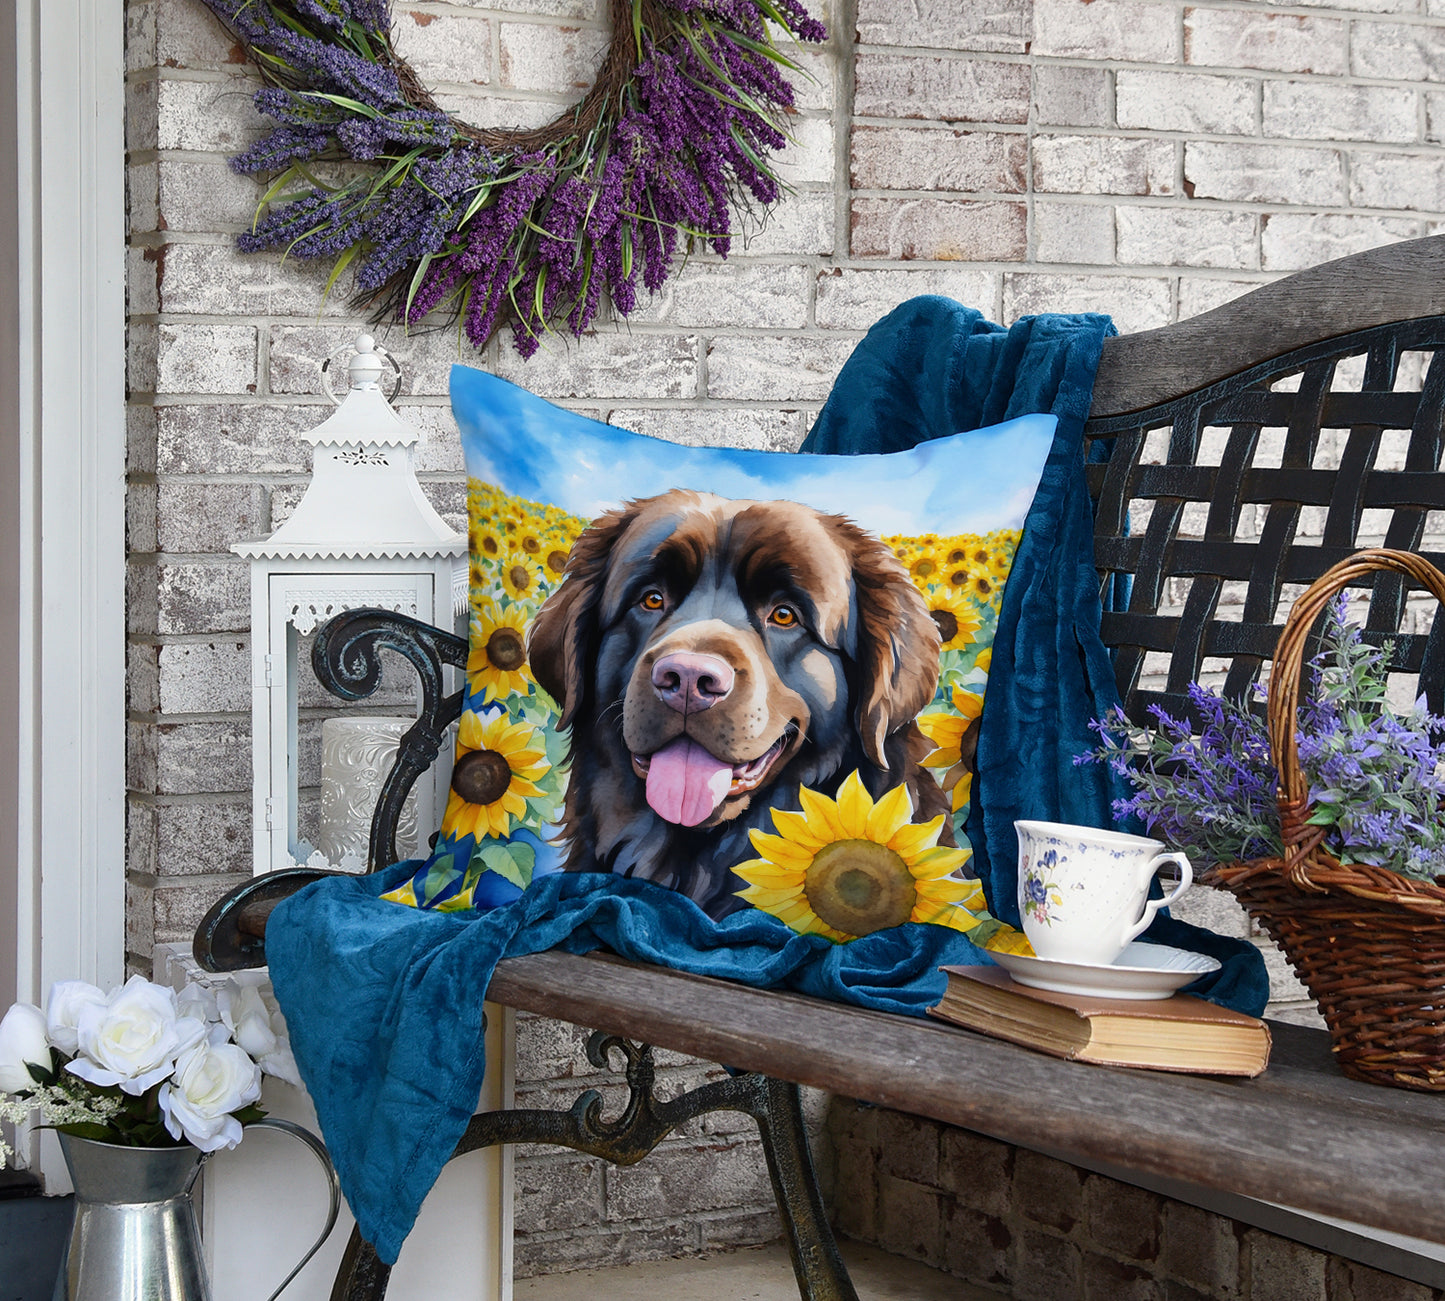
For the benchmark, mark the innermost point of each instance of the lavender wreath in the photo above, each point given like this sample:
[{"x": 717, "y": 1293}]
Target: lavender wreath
[{"x": 525, "y": 227}]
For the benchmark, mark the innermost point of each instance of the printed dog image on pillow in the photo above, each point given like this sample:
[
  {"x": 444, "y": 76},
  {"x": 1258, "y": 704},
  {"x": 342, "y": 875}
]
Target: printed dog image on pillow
[{"x": 752, "y": 677}]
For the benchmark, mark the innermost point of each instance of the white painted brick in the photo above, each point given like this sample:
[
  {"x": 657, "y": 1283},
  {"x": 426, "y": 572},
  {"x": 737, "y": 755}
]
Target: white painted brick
[
  {"x": 140, "y": 438},
  {"x": 1264, "y": 173},
  {"x": 1134, "y": 30},
  {"x": 219, "y": 280},
  {"x": 813, "y": 86},
  {"x": 1198, "y": 294},
  {"x": 1398, "y": 51},
  {"x": 1135, "y": 302},
  {"x": 205, "y": 677},
  {"x": 1435, "y": 116},
  {"x": 760, "y": 428},
  {"x": 591, "y": 10},
  {"x": 1185, "y": 101},
  {"x": 855, "y": 299},
  {"x": 794, "y": 368},
  {"x": 558, "y": 60},
  {"x": 255, "y": 438},
  {"x": 732, "y": 294},
  {"x": 140, "y": 517},
  {"x": 444, "y": 47},
  {"x": 1292, "y": 241},
  {"x": 210, "y": 116},
  {"x": 298, "y": 351},
  {"x": 141, "y": 294},
  {"x": 1195, "y": 237},
  {"x": 1073, "y": 232},
  {"x": 1103, "y": 165},
  {"x": 1255, "y": 38},
  {"x": 939, "y": 230},
  {"x": 920, "y": 158},
  {"x": 140, "y": 357},
  {"x": 142, "y": 187},
  {"x": 140, "y": 115},
  {"x": 807, "y": 158},
  {"x": 200, "y": 517},
  {"x": 1069, "y": 96},
  {"x": 944, "y": 88},
  {"x": 1413, "y": 181},
  {"x": 606, "y": 365},
  {"x": 1312, "y": 110},
  {"x": 205, "y": 197},
  {"x": 140, "y": 35},
  {"x": 513, "y": 111},
  {"x": 802, "y": 224},
  {"x": 1360, "y": 6},
  {"x": 202, "y": 598},
  {"x": 189, "y": 36},
  {"x": 982, "y": 25},
  {"x": 206, "y": 359}
]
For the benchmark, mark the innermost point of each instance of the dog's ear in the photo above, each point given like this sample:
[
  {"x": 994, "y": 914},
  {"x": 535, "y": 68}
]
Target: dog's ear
[
  {"x": 897, "y": 646},
  {"x": 562, "y": 641}
]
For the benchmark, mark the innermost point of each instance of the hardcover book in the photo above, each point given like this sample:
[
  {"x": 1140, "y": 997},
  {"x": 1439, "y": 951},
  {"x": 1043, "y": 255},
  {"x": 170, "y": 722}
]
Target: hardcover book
[{"x": 1181, "y": 1033}]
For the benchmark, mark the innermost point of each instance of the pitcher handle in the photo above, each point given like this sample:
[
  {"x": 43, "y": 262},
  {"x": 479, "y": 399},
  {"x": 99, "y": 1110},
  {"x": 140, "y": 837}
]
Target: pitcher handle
[{"x": 333, "y": 1188}]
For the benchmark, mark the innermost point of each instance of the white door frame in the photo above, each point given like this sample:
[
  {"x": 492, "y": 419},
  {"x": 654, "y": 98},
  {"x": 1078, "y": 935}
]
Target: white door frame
[{"x": 62, "y": 504}]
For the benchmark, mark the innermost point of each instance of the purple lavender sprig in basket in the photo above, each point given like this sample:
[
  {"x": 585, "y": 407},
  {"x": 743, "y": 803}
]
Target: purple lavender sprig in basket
[{"x": 1374, "y": 775}]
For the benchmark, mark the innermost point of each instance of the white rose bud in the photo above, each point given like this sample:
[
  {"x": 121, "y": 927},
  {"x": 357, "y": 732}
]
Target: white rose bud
[
  {"x": 249, "y": 1009},
  {"x": 211, "y": 1082},
  {"x": 134, "y": 1039},
  {"x": 22, "y": 1040},
  {"x": 68, "y": 998}
]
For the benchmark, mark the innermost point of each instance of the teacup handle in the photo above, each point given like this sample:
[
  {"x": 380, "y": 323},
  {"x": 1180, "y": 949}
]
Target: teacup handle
[
  {"x": 333, "y": 1189},
  {"x": 1152, "y": 906}
]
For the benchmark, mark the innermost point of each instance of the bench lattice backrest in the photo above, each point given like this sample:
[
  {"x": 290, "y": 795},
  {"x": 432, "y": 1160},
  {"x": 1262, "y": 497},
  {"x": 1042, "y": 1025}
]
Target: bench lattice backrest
[{"x": 1216, "y": 508}]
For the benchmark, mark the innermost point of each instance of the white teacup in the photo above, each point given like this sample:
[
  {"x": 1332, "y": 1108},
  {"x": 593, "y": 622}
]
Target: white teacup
[{"x": 1084, "y": 893}]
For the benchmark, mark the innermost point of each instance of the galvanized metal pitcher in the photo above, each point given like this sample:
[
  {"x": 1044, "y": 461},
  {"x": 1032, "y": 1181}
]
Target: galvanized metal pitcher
[{"x": 135, "y": 1236}]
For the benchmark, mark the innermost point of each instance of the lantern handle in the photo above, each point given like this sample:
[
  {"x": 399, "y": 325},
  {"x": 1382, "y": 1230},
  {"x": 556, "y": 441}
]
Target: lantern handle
[{"x": 363, "y": 370}]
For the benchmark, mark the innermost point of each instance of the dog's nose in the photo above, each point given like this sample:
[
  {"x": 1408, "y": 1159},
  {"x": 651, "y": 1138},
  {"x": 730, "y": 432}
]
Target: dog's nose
[{"x": 687, "y": 681}]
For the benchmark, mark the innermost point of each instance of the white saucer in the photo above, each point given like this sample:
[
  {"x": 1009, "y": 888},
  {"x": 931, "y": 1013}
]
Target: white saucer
[{"x": 1141, "y": 971}]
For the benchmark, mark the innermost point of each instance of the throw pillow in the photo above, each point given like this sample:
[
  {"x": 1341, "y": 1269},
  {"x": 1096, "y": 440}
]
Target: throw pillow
[{"x": 754, "y": 677}]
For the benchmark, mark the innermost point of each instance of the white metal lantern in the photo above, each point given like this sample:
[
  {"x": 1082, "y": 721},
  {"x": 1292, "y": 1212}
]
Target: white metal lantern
[{"x": 364, "y": 534}]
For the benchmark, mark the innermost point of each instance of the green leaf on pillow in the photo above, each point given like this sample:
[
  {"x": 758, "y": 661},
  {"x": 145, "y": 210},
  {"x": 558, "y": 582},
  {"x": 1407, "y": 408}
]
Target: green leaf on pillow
[{"x": 514, "y": 862}]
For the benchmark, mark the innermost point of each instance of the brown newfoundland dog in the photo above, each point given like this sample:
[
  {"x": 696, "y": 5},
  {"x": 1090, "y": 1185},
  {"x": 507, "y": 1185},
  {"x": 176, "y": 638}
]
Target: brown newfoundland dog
[{"x": 710, "y": 656}]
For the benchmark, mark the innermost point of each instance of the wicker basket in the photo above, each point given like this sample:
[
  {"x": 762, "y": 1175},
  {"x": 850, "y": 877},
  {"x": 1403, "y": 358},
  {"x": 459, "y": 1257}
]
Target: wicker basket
[{"x": 1369, "y": 944}]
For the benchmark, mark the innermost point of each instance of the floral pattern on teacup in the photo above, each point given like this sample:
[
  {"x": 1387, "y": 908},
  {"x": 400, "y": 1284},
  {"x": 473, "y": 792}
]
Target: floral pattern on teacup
[{"x": 1038, "y": 893}]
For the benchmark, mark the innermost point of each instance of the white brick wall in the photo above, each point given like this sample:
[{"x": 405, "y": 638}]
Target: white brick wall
[{"x": 1148, "y": 158}]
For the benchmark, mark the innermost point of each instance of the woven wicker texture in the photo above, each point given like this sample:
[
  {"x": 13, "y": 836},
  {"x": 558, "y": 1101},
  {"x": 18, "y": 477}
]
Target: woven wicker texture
[{"x": 1368, "y": 943}]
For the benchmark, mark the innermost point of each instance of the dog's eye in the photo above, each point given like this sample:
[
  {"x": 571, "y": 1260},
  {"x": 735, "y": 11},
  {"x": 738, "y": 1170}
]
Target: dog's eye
[
  {"x": 652, "y": 599},
  {"x": 784, "y": 616}
]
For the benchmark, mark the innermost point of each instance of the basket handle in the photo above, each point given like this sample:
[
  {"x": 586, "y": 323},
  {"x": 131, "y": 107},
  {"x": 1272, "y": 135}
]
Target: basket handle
[{"x": 1300, "y": 838}]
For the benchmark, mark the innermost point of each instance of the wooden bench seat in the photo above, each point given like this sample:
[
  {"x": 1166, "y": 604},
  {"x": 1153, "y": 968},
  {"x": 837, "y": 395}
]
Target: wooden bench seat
[{"x": 1301, "y": 1134}]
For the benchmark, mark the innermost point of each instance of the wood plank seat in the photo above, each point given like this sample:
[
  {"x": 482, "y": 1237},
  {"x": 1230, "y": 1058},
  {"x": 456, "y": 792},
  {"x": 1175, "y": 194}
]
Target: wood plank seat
[{"x": 1247, "y": 394}]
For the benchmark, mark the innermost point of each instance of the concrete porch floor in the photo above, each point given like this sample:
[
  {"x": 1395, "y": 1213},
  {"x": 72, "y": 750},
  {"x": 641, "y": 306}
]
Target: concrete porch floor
[{"x": 750, "y": 1274}]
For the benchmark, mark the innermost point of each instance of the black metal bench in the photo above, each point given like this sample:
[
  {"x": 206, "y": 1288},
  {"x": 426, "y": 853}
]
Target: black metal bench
[{"x": 1301, "y": 1134}]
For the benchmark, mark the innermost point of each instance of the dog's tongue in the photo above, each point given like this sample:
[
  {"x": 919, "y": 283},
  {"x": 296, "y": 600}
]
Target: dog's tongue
[{"x": 685, "y": 783}]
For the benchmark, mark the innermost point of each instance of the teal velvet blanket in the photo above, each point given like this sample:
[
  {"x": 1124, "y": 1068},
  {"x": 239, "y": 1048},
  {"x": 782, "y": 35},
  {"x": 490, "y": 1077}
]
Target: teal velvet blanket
[{"x": 384, "y": 1002}]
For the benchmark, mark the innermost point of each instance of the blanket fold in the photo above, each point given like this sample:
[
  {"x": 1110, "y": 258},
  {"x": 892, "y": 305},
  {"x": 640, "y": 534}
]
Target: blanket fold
[{"x": 384, "y": 1002}]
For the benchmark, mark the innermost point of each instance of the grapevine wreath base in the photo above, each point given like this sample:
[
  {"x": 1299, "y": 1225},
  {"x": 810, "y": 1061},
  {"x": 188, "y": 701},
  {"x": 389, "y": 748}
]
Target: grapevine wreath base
[{"x": 528, "y": 227}]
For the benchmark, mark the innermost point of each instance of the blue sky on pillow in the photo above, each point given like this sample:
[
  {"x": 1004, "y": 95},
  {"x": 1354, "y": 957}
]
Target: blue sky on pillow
[{"x": 759, "y": 682}]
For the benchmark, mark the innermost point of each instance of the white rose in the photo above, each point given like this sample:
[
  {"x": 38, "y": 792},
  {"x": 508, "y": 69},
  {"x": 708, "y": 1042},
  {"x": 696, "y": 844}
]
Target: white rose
[
  {"x": 199, "y": 1002},
  {"x": 22, "y": 1040},
  {"x": 250, "y": 1011},
  {"x": 211, "y": 1082},
  {"x": 68, "y": 998},
  {"x": 134, "y": 1039}
]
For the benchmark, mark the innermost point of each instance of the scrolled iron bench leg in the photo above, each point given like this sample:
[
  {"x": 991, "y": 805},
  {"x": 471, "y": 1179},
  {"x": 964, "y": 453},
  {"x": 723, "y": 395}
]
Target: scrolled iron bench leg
[{"x": 643, "y": 1124}]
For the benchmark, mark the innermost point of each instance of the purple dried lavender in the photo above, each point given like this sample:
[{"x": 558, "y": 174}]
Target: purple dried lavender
[{"x": 533, "y": 238}]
